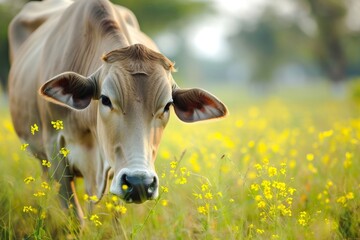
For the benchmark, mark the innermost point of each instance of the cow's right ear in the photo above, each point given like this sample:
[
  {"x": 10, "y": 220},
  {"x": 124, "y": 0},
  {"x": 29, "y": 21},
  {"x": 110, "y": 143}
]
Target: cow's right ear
[{"x": 70, "y": 89}]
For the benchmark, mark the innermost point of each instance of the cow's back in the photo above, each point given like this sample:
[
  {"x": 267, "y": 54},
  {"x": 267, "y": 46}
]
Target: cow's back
[
  {"x": 31, "y": 17},
  {"x": 26, "y": 44}
]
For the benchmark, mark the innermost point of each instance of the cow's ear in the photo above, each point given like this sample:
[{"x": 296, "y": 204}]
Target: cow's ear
[
  {"x": 69, "y": 89},
  {"x": 195, "y": 104}
]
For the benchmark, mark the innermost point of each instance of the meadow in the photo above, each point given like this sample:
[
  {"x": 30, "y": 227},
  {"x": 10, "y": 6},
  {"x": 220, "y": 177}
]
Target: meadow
[{"x": 280, "y": 166}]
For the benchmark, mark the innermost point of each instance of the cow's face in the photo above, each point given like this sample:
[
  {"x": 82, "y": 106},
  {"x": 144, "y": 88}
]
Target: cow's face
[{"x": 134, "y": 90}]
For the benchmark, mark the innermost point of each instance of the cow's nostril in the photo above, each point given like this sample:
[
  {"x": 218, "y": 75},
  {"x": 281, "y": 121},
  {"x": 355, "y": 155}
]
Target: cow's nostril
[
  {"x": 138, "y": 187},
  {"x": 153, "y": 186},
  {"x": 125, "y": 185}
]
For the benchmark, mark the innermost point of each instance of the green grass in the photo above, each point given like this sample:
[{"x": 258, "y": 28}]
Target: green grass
[{"x": 284, "y": 166}]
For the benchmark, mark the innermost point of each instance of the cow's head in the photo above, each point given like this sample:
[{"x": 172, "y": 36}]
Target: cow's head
[{"x": 134, "y": 90}]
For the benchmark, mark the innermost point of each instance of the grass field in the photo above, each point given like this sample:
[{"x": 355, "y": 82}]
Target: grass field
[{"x": 278, "y": 167}]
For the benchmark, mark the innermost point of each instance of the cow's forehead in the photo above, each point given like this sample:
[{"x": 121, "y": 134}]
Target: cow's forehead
[
  {"x": 138, "y": 58},
  {"x": 151, "y": 89}
]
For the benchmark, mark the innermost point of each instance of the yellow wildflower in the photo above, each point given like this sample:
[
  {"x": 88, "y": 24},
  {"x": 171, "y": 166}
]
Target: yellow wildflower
[
  {"x": 173, "y": 164},
  {"x": 350, "y": 195},
  {"x": 29, "y": 209},
  {"x": 329, "y": 184},
  {"x": 208, "y": 195},
  {"x": 86, "y": 197},
  {"x": 24, "y": 146},
  {"x": 164, "y": 202},
  {"x": 165, "y": 154},
  {"x": 43, "y": 215},
  {"x": 202, "y": 210},
  {"x": 291, "y": 190},
  {"x": 164, "y": 189},
  {"x": 198, "y": 195},
  {"x": 258, "y": 167},
  {"x": 303, "y": 218},
  {"x": 63, "y": 151},
  {"x": 45, "y": 185},
  {"x": 114, "y": 199},
  {"x": 183, "y": 170},
  {"x": 46, "y": 163},
  {"x": 310, "y": 156},
  {"x": 94, "y": 198},
  {"x": 251, "y": 144},
  {"x": 181, "y": 180},
  {"x": 121, "y": 209},
  {"x": 29, "y": 180},
  {"x": 58, "y": 124},
  {"x": 255, "y": 187},
  {"x": 261, "y": 204},
  {"x": 204, "y": 187},
  {"x": 109, "y": 206},
  {"x": 95, "y": 219},
  {"x": 39, "y": 194},
  {"x": 34, "y": 128},
  {"x": 272, "y": 171},
  {"x": 267, "y": 193}
]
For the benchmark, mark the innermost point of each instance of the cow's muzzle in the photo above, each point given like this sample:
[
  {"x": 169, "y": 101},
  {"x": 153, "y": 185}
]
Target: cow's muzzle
[{"x": 138, "y": 187}]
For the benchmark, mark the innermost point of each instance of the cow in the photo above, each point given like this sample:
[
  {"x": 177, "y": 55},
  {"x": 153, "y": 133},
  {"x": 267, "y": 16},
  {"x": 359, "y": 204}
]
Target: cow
[{"x": 88, "y": 64}]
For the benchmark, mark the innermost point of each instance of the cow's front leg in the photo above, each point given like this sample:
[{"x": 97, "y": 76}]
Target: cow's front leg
[{"x": 61, "y": 172}]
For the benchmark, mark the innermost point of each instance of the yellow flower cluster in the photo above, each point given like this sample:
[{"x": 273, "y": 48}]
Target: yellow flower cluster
[
  {"x": 344, "y": 200},
  {"x": 29, "y": 209},
  {"x": 180, "y": 175},
  {"x": 34, "y": 128},
  {"x": 46, "y": 163},
  {"x": 206, "y": 199},
  {"x": 58, "y": 124},
  {"x": 64, "y": 151},
  {"x": 29, "y": 180},
  {"x": 271, "y": 192},
  {"x": 41, "y": 190},
  {"x": 116, "y": 206},
  {"x": 96, "y": 220},
  {"x": 303, "y": 219},
  {"x": 24, "y": 146},
  {"x": 92, "y": 198}
]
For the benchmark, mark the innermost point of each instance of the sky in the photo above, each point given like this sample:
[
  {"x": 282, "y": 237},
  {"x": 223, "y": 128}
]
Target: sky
[{"x": 208, "y": 37}]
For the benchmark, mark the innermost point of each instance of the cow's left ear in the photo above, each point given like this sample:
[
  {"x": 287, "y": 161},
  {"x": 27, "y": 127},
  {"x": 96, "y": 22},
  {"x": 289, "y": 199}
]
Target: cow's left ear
[
  {"x": 195, "y": 104},
  {"x": 70, "y": 89}
]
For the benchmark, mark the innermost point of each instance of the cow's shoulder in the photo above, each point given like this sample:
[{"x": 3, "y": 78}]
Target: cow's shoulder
[{"x": 30, "y": 18}]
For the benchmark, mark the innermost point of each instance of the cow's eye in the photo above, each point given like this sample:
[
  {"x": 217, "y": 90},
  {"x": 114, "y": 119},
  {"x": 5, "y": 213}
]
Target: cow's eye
[
  {"x": 106, "y": 101},
  {"x": 167, "y": 106}
]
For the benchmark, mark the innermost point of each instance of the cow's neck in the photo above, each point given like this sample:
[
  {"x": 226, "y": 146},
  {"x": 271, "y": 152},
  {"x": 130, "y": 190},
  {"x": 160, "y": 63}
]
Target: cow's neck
[{"x": 94, "y": 31}]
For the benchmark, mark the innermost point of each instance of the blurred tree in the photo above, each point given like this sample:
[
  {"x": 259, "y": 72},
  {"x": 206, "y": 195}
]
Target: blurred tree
[
  {"x": 271, "y": 43},
  {"x": 154, "y": 16},
  {"x": 275, "y": 40},
  {"x": 329, "y": 45},
  {"x": 157, "y": 15},
  {"x": 6, "y": 14}
]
